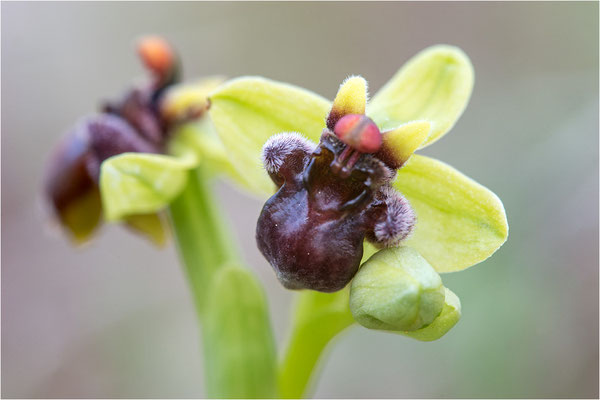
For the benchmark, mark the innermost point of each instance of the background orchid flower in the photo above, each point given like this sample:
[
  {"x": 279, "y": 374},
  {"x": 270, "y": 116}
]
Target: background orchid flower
[
  {"x": 130, "y": 162},
  {"x": 133, "y": 123},
  {"x": 459, "y": 222},
  {"x": 157, "y": 153},
  {"x": 134, "y": 183}
]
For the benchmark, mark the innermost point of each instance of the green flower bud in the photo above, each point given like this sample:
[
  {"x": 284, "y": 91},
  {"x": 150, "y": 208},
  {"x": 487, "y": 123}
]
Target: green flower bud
[
  {"x": 396, "y": 290},
  {"x": 442, "y": 324}
]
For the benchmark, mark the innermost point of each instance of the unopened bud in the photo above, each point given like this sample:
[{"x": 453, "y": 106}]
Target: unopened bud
[{"x": 396, "y": 290}]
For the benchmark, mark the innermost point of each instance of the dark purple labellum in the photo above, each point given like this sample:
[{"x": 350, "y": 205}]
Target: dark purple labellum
[
  {"x": 312, "y": 230},
  {"x": 110, "y": 136},
  {"x": 73, "y": 171},
  {"x": 66, "y": 173}
]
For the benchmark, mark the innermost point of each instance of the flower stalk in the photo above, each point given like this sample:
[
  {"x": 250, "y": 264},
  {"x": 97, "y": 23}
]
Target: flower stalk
[
  {"x": 318, "y": 318},
  {"x": 238, "y": 346},
  {"x": 202, "y": 240}
]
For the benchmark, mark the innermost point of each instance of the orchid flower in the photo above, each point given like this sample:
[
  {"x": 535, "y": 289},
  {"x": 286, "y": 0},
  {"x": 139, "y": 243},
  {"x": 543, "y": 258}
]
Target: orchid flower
[
  {"x": 351, "y": 213},
  {"x": 133, "y": 124},
  {"x": 459, "y": 222}
]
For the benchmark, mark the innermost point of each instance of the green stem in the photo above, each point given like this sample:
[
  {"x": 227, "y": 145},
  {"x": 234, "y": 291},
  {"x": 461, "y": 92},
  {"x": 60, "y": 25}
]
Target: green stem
[
  {"x": 318, "y": 318},
  {"x": 203, "y": 242},
  {"x": 298, "y": 366},
  {"x": 205, "y": 246},
  {"x": 238, "y": 346}
]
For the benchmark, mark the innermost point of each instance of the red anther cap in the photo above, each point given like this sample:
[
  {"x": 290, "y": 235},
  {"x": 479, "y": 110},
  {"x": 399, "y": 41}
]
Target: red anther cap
[
  {"x": 359, "y": 132},
  {"x": 156, "y": 54}
]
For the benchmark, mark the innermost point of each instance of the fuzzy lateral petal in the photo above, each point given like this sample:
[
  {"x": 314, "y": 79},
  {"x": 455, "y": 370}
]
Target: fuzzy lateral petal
[
  {"x": 400, "y": 143},
  {"x": 351, "y": 98}
]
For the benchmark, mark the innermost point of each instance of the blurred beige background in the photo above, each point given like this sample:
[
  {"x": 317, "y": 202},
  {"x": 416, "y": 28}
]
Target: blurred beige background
[{"x": 114, "y": 319}]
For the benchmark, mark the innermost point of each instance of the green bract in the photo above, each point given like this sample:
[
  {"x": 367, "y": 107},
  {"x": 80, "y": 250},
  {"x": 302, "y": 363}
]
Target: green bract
[{"x": 397, "y": 290}]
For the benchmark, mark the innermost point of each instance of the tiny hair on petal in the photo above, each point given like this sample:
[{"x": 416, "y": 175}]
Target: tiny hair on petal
[
  {"x": 366, "y": 84},
  {"x": 399, "y": 222},
  {"x": 279, "y": 146},
  {"x": 351, "y": 98}
]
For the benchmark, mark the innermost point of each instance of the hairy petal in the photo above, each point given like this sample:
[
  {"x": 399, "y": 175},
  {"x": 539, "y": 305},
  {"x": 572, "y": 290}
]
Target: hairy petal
[
  {"x": 435, "y": 85},
  {"x": 400, "y": 143},
  {"x": 459, "y": 222},
  {"x": 396, "y": 224},
  {"x": 284, "y": 156},
  {"x": 248, "y": 111},
  {"x": 351, "y": 98}
]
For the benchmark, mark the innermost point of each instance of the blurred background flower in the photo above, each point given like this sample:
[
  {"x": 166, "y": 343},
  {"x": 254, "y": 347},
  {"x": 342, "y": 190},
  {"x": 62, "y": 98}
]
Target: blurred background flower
[{"x": 115, "y": 319}]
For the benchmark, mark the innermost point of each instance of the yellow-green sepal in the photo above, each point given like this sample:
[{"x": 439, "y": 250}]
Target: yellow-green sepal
[
  {"x": 443, "y": 323},
  {"x": 199, "y": 140},
  {"x": 459, "y": 222},
  {"x": 239, "y": 347},
  {"x": 248, "y": 111},
  {"x": 435, "y": 85},
  {"x": 396, "y": 290},
  {"x": 152, "y": 226},
  {"x": 141, "y": 183}
]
